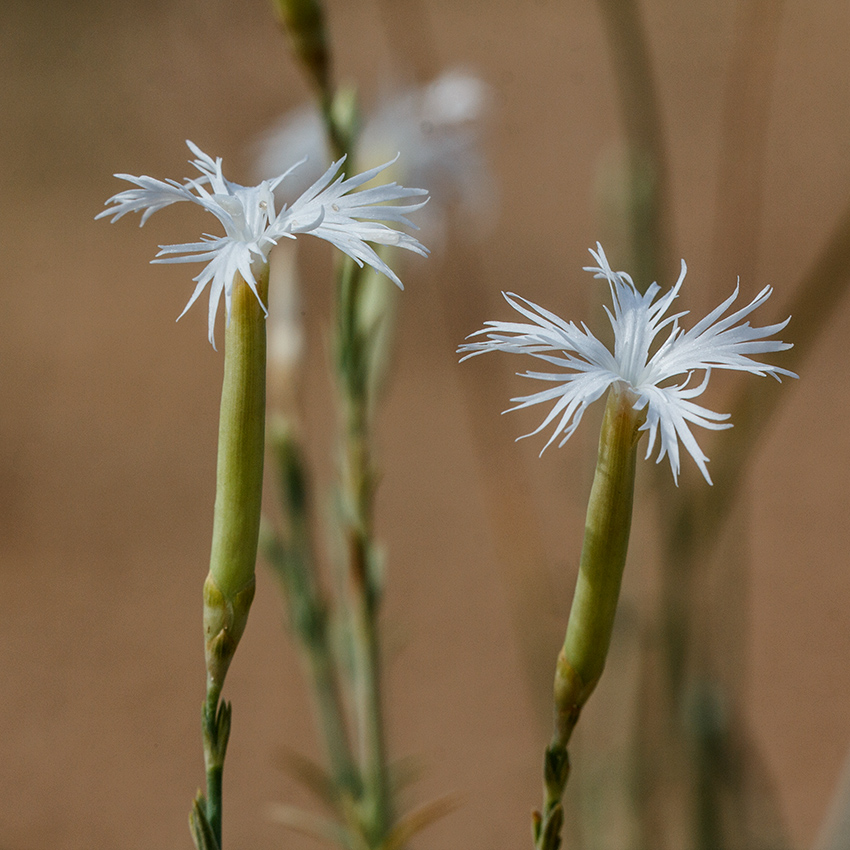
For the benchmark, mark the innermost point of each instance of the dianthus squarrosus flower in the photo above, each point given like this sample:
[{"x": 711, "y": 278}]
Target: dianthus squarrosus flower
[
  {"x": 660, "y": 376},
  {"x": 329, "y": 209}
]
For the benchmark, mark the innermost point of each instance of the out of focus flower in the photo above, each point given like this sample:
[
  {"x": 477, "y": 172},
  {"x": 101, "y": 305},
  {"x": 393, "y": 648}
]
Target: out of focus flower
[
  {"x": 329, "y": 209},
  {"x": 437, "y": 129},
  {"x": 712, "y": 343}
]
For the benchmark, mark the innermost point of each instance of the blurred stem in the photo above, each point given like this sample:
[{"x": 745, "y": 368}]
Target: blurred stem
[
  {"x": 367, "y": 694},
  {"x": 341, "y": 117},
  {"x": 339, "y": 135},
  {"x": 293, "y": 559},
  {"x": 354, "y": 349},
  {"x": 630, "y": 56},
  {"x": 305, "y": 19},
  {"x": 303, "y": 22},
  {"x": 591, "y": 622},
  {"x": 358, "y": 480},
  {"x": 696, "y": 521},
  {"x": 357, "y": 485}
]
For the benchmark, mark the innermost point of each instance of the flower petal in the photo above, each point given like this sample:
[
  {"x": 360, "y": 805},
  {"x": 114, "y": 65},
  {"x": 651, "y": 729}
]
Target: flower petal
[
  {"x": 247, "y": 213},
  {"x": 637, "y": 319}
]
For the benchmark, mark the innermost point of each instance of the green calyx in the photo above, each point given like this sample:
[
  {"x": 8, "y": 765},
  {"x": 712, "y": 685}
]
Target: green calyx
[
  {"x": 603, "y": 557},
  {"x": 229, "y": 588}
]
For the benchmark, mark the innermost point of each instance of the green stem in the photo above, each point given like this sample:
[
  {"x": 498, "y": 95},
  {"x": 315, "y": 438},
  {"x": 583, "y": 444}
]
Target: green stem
[
  {"x": 591, "y": 621},
  {"x": 358, "y": 488},
  {"x": 229, "y": 587},
  {"x": 216, "y": 730},
  {"x": 308, "y": 610},
  {"x": 367, "y": 695},
  {"x": 305, "y": 21},
  {"x": 331, "y": 717}
]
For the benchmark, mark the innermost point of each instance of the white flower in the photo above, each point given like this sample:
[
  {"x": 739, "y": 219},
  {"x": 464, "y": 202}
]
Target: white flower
[
  {"x": 712, "y": 343},
  {"x": 252, "y": 228},
  {"x": 437, "y": 128}
]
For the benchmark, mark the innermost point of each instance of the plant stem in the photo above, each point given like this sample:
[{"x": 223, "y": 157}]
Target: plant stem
[
  {"x": 367, "y": 697},
  {"x": 354, "y": 359},
  {"x": 591, "y": 621},
  {"x": 294, "y": 560},
  {"x": 216, "y": 731},
  {"x": 229, "y": 586},
  {"x": 358, "y": 488}
]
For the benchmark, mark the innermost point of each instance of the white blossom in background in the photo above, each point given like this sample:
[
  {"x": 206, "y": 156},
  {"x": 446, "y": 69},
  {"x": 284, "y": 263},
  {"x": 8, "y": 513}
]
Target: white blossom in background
[
  {"x": 437, "y": 129},
  {"x": 286, "y": 335},
  {"x": 661, "y": 379},
  {"x": 329, "y": 209}
]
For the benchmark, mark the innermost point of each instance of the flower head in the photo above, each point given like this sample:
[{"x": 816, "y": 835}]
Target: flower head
[
  {"x": 438, "y": 127},
  {"x": 651, "y": 372},
  {"x": 327, "y": 209}
]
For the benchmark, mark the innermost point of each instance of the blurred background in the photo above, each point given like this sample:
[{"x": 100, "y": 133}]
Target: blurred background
[{"x": 108, "y": 422}]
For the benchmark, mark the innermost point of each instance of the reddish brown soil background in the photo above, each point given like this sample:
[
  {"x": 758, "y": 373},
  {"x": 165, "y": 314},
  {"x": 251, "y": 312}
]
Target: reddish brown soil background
[{"x": 109, "y": 409}]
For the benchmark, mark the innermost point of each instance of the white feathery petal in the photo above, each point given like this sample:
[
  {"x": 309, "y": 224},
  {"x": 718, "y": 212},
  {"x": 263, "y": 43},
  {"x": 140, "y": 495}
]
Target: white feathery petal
[
  {"x": 718, "y": 341},
  {"x": 152, "y": 195},
  {"x": 574, "y": 397}
]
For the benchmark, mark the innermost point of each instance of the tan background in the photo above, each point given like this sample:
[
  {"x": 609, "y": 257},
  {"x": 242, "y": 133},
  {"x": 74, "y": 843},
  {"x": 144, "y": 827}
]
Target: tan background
[{"x": 109, "y": 409}]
